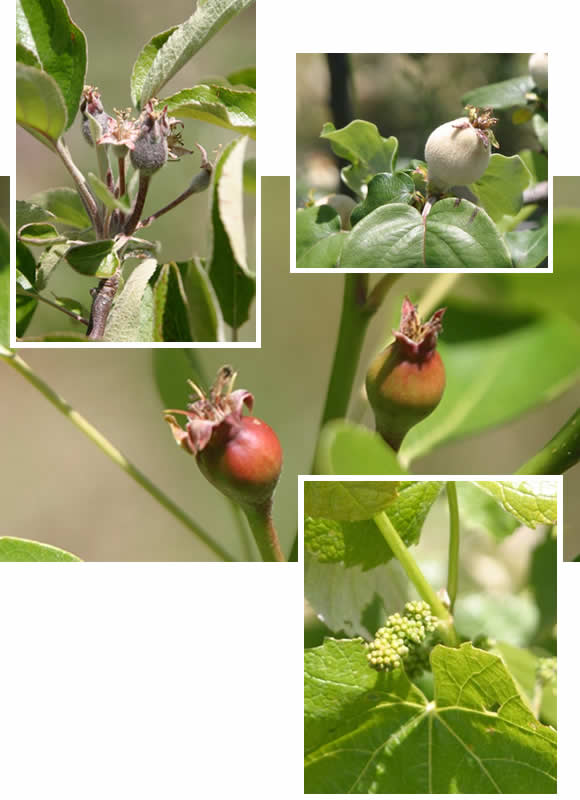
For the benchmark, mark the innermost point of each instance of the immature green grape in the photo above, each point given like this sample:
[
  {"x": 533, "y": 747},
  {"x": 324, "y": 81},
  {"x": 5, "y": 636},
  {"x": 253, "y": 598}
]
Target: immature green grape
[{"x": 402, "y": 641}]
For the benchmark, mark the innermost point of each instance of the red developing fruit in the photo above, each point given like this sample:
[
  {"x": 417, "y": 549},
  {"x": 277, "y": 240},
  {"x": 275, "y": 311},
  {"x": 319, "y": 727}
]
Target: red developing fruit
[
  {"x": 240, "y": 455},
  {"x": 405, "y": 382}
]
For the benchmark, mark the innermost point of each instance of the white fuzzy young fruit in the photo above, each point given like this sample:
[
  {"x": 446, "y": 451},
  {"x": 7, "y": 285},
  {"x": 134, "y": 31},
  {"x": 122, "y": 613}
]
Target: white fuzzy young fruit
[
  {"x": 456, "y": 154},
  {"x": 538, "y": 67}
]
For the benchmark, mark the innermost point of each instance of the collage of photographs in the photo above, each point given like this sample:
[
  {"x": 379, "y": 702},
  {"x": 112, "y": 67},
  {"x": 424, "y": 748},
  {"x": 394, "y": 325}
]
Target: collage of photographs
[{"x": 369, "y": 363}]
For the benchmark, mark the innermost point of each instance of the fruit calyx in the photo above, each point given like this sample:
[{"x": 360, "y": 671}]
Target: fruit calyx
[
  {"x": 219, "y": 413},
  {"x": 417, "y": 340}
]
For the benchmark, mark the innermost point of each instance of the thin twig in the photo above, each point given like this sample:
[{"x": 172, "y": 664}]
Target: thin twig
[
  {"x": 111, "y": 451},
  {"x": 72, "y": 314}
]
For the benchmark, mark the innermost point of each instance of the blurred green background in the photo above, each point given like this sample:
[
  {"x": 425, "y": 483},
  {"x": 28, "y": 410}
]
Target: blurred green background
[
  {"x": 404, "y": 95},
  {"x": 58, "y": 487},
  {"x": 116, "y": 33}
]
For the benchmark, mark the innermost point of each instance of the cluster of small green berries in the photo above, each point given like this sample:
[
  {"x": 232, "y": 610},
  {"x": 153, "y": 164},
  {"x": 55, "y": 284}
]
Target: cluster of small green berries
[
  {"x": 546, "y": 670},
  {"x": 401, "y": 641}
]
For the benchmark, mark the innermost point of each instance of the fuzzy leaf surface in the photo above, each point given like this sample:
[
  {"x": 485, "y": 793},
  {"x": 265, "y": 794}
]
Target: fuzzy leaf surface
[
  {"x": 94, "y": 258},
  {"x": 144, "y": 62},
  {"x": 456, "y": 233},
  {"x": 12, "y": 549},
  {"x": 348, "y": 500},
  {"x": 126, "y": 318},
  {"x": 319, "y": 239},
  {"x": 384, "y": 188},
  {"x": 234, "y": 284},
  {"x": 44, "y": 28},
  {"x": 234, "y": 109},
  {"x": 505, "y": 94},
  {"x": 64, "y": 204},
  {"x": 172, "y": 319},
  {"x": 368, "y": 732},
  {"x": 40, "y": 106},
  {"x": 207, "y": 19},
  {"x": 528, "y": 248},
  {"x": 206, "y": 317}
]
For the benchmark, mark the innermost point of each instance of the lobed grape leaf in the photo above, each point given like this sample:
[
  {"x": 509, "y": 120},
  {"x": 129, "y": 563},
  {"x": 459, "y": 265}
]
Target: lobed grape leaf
[
  {"x": 532, "y": 501},
  {"x": 347, "y": 500},
  {"x": 360, "y": 543},
  {"x": 351, "y": 601},
  {"x": 368, "y": 732}
]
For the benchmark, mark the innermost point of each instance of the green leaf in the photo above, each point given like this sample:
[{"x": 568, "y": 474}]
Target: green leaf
[
  {"x": 206, "y": 317},
  {"x": 360, "y": 543},
  {"x": 234, "y": 284},
  {"x": 172, "y": 369},
  {"x": 102, "y": 192},
  {"x": 250, "y": 176},
  {"x": 384, "y": 188},
  {"x": 245, "y": 77},
  {"x": 47, "y": 263},
  {"x": 506, "y": 616},
  {"x": 40, "y": 107},
  {"x": 24, "y": 550},
  {"x": 478, "y": 511},
  {"x": 372, "y": 733},
  {"x": 46, "y": 30},
  {"x": 522, "y": 665},
  {"x": 318, "y": 237},
  {"x": 347, "y": 500},
  {"x": 528, "y": 248},
  {"x": 4, "y": 286},
  {"x": 540, "y": 125},
  {"x": 25, "y": 277},
  {"x": 369, "y": 153},
  {"x": 40, "y": 233},
  {"x": 348, "y": 449},
  {"x": 30, "y": 212},
  {"x": 500, "y": 187},
  {"x": 172, "y": 316},
  {"x": 491, "y": 357},
  {"x": 537, "y": 163},
  {"x": 25, "y": 56},
  {"x": 65, "y": 205},
  {"x": 234, "y": 109},
  {"x": 505, "y": 94},
  {"x": 144, "y": 63},
  {"x": 456, "y": 233},
  {"x": 125, "y": 319},
  {"x": 208, "y": 18},
  {"x": 94, "y": 258},
  {"x": 542, "y": 583},
  {"x": 532, "y": 501},
  {"x": 351, "y": 601}
]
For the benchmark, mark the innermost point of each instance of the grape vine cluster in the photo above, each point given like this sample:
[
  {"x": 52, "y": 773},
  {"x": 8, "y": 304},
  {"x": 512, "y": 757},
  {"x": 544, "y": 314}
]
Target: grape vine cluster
[{"x": 405, "y": 640}]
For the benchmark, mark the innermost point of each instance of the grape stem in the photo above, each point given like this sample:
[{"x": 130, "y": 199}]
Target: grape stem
[
  {"x": 416, "y": 577},
  {"x": 453, "y": 565}
]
